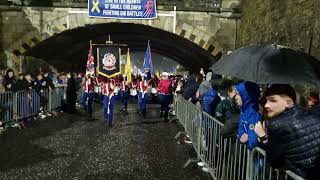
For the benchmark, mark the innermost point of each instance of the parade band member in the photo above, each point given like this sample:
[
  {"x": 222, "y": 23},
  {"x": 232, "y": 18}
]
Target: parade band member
[
  {"x": 142, "y": 96},
  {"x": 124, "y": 95},
  {"x": 164, "y": 88},
  {"x": 133, "y": 89},
  {"x": 108, "y": 101},
  {"x": 88, "y": 93}
]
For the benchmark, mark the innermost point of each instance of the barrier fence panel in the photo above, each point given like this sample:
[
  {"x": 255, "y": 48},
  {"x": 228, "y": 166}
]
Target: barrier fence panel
[
  {"x": 7, "y": 111},
  {"x": 35, "y": 102},
  {"x": 23, "y": 104},
  {"x": 56, "y": 98},
  {"x": 226, "y": 158}
]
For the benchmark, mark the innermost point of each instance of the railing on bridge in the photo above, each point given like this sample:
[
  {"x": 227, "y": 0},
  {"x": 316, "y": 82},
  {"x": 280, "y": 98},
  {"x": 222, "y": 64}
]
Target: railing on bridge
[
  {"x": 24, "y": 104},
  {"x": 226, "y": 158}
]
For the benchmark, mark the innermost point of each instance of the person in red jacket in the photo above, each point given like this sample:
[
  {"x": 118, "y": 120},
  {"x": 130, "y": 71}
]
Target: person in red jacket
[
  {"x": 142, "y": 95},
  {"x": 88, "y": 93},
  {"x": 108, "y": 101},
  {"x": 164, "y": 89},
  {"x": 124, "y": 94}
]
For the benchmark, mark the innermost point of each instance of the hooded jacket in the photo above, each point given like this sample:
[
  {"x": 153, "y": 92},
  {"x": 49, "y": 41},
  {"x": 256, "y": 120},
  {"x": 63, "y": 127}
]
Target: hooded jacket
[
  {"x": 249, "y": 93},
  {"x": 210, "y": 100}
]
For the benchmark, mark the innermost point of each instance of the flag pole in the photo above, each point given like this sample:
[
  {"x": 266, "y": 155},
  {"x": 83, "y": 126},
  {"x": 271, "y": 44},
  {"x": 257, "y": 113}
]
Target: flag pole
[
  {"x": 91, "y": 46},
  {"x": 109, "y": 40}
]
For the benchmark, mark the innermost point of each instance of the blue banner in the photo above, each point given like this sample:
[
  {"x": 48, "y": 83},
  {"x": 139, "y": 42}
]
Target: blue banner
[{"x": 123, "y": 9}]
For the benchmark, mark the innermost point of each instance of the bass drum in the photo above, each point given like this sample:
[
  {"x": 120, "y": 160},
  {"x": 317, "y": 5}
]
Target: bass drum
[{"x": 133, "y": 92}]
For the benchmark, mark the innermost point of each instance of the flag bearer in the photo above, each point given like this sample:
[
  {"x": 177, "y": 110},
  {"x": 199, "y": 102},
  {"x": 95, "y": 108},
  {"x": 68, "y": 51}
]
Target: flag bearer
[
  {"x": 142, "y": 96},
  {"x": 88, "y": 94},
  {"x": 164, "y": 88},
  {"x": 108, "y": 101}
]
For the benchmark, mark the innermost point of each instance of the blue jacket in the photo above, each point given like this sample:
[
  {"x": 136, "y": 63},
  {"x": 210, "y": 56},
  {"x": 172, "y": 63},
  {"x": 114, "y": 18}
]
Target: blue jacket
[
  {"x": 249, "y": 93},
  {"x": 210, "y": 100}
]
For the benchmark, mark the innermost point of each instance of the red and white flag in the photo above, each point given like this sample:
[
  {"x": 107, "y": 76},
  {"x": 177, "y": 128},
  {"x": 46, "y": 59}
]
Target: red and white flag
[{"x": 90, "y": 63}]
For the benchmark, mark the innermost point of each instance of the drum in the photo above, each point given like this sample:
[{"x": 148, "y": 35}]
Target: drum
[
  {"x": 116, "y": 90},
  {"x": 154, "y": 90},
  {"x": 97, "y": 89},
  {"x": 133, "y": 92}
]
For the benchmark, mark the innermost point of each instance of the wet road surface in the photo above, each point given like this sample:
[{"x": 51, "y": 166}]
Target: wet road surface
[{"x": 70, "y": 147}]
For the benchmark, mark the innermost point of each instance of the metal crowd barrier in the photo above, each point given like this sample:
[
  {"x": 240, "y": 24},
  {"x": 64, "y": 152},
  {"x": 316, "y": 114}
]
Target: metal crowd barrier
[
  {"x": 24, "y": 104},
  {"x": 225, "y": 158},
  {"x": 56, "y": 97},
  {"x": 6, "y": 102}
]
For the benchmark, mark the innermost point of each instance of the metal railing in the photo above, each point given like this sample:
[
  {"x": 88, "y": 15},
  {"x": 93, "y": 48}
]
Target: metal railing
[
  {"x": 24, "y": 104},
  {"x": 225, "y": 158}
]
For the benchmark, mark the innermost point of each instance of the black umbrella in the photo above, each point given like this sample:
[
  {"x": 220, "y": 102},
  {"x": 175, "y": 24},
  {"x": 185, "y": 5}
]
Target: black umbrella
[{"x": 270, "y": 64}]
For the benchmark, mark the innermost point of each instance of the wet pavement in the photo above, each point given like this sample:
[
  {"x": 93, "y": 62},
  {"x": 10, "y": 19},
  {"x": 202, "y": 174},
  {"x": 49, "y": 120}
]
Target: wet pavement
[{"x": 70, "y": 147}]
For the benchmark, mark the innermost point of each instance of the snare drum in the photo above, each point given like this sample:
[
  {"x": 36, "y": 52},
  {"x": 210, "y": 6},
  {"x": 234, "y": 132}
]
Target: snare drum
[{"x": 133, "y": 92}]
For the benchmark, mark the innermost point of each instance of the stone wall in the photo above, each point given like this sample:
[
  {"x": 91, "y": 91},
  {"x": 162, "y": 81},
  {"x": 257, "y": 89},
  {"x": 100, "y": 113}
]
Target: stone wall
[
  {"x": 14, "y": 27},
  {"x": 293, "y": 23}
]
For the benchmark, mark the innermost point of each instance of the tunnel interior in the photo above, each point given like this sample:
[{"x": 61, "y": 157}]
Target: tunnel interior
[{"x": 68, "y": 50}]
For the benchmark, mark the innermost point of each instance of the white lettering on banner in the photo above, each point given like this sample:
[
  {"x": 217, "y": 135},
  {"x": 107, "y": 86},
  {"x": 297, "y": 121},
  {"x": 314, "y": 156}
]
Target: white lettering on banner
[
  {"x": 106, "y": 12},
  {"x": 115, "y": 6},
  {"x": 108, "y": 1},
  {"x": 133, "y": 1},
  {"x": 134, "y": 13},
  {"x": 115, "y": 1},
  {"x": 131, "y": 7},
  {"x": 122, "y": 1},
  {"x": 111, "y": 13},
  {"x": 106, "y": 6},
  {"x": 123, "y": 13},
  {"x": 115, "y": 13}
]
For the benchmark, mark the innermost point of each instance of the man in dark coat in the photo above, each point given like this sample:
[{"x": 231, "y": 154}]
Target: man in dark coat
[
  {"x": 191, "y": 87},
  {"x": 292, "y": 137},
  {"x": 71, "y": 94}
]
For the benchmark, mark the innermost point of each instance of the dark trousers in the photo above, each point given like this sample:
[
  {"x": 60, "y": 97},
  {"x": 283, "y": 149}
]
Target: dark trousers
[
  {"x": 165, "y": 101},
  {"x": 142, "y": 102},
  {"x": 124, "y": 98},
  {"x": 88, "y": 108},
  {"x": 108, "y": 109}
]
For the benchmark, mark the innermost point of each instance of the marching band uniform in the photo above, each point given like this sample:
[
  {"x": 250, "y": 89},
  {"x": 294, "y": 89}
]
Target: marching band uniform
[
  {"x": 108, "y": 101},
  {"x": 124, "y": 94},
  {"x": 164, "y": 88},
  {"x": 133, "y": 87},
  {"x": 142, "y": 96},
  {"x": 88, "y": 93}
]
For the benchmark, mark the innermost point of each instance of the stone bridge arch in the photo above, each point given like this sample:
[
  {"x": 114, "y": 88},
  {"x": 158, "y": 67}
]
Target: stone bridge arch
[{"x": 48, "y": 22}]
